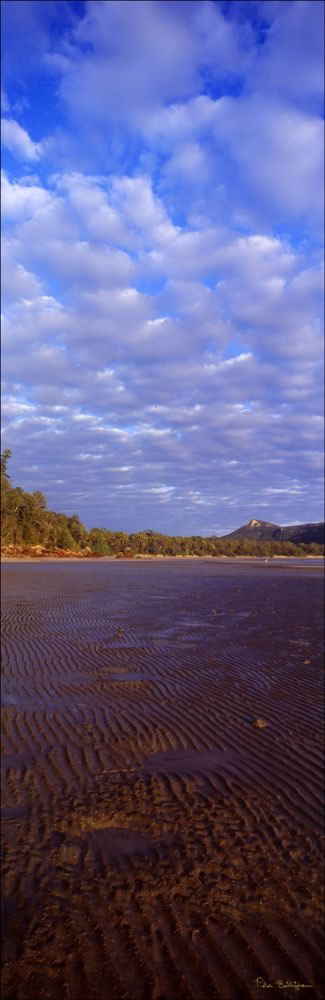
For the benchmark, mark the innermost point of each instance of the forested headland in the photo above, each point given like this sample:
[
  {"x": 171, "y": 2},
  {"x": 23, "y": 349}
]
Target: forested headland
[{"x": 29, "y": 528}]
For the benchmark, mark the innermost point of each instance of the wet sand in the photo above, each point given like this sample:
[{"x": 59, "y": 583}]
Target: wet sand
[{"x": 156, "y": 845}]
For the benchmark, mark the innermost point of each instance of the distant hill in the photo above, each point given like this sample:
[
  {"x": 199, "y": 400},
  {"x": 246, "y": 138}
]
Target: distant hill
[{"x": 265, "y": 531}]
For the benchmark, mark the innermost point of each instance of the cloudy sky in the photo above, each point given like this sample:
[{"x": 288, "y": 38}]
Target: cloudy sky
[{"x": 162, "y": 259}]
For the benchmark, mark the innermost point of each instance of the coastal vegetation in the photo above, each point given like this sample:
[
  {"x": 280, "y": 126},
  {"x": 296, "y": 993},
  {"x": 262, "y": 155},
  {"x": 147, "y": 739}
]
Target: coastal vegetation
[{"x": 28, "y": 527}]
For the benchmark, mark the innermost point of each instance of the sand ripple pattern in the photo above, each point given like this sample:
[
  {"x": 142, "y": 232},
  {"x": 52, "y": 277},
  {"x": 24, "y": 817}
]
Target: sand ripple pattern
[{"x": 155, "y": 844}]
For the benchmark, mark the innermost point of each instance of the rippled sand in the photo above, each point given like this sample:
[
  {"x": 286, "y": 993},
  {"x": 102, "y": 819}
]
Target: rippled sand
[{"x": 156, "y": 845}]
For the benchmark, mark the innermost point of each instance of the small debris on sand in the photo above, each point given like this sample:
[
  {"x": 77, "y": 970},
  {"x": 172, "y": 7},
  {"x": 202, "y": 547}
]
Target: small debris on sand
[{"x": 260, "y": 724}]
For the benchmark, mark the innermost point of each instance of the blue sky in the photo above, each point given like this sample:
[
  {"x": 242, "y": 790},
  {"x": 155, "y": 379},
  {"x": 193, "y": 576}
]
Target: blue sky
[{"x": 162, "y": 259}]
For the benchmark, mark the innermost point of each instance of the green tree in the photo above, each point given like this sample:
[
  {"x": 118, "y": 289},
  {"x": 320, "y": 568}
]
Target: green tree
[
  {"x": 78, "y": 531},
  {"x": 99, "y": 542},
  {"x": 5, "y": 480}
]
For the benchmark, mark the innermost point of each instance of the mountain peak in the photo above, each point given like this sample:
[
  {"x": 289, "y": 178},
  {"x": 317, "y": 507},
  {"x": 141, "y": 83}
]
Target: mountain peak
[{"x": 265, "y": 530}]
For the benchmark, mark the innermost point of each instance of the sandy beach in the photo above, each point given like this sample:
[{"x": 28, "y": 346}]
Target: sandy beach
[{"x": 156, "y": 843}]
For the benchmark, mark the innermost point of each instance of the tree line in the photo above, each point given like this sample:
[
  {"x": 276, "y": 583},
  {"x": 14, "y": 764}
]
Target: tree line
[{"x": 26, "y": 523}]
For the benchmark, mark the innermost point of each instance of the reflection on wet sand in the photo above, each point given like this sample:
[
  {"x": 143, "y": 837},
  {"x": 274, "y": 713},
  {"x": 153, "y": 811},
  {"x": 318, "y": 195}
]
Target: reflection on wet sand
[{"x": 156, "y": 842}]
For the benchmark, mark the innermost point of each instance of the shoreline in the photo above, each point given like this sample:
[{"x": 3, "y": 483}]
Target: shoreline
[{"x": 153, "y": 558}]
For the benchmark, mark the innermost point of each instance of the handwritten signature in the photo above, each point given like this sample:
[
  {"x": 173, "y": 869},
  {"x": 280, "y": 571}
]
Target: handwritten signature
[{"x": 280, "y": 984}]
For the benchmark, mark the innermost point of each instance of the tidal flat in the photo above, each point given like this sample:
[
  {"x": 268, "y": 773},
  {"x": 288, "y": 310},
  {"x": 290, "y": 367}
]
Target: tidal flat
[{"x": 156, "y": 843}]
